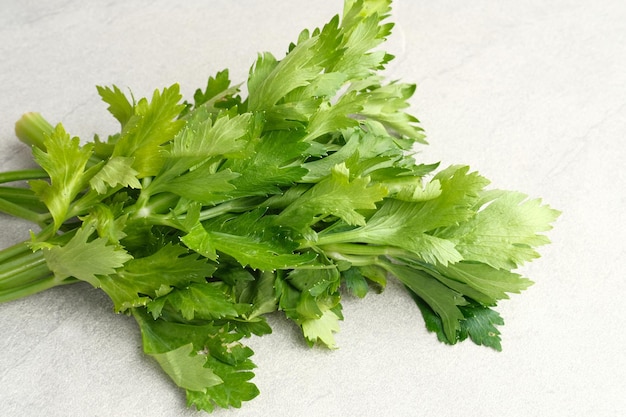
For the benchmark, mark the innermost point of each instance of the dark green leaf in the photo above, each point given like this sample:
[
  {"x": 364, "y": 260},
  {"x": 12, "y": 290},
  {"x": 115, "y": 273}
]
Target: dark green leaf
[
  {"x": 356, "y": 282},
  {"x": 480, "y": 324}
]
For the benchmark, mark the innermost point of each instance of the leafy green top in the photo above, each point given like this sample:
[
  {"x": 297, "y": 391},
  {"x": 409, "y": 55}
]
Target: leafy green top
[{"x": 198, "y": 218}]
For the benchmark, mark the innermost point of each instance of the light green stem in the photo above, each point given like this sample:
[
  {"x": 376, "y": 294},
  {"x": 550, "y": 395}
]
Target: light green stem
[
  {"x": 33, "y": 287},
  {"x": 24, "y": 272},
  {"x": 22, "y": 175},
  {"x": 17, "y": 210},
  {"x": 32, "y": 128}
]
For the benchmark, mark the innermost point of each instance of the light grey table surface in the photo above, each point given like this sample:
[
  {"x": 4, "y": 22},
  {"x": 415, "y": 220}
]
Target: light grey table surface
[{"x": 532, "y": 94}]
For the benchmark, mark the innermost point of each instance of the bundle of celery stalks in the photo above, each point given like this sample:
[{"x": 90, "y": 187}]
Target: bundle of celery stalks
[{"x": 199, "y": 218}]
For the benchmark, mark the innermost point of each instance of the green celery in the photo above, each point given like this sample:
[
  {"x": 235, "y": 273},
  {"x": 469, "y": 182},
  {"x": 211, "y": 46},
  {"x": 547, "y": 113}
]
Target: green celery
[{"x": 199, "y": 218}]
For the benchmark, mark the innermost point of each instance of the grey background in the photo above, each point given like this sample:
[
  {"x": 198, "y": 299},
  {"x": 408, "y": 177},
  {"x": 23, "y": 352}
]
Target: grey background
[{"x": 532, "y": 94}]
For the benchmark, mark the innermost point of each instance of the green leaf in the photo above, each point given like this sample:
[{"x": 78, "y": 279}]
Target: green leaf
[
  {"x": 160, "y": 335},
  {"x": 316, "y": 281},
  {"x": 331, "y": 118},
  {"x": 109, "y": 221},
  {"x": 193, "y": 163},
  {"x": 234, "y": 389},
  {"x": 322, "y": 329},
  {"x": 218, "y": 93},
  {"x": 202, "y": 185},
  {"x": 432, "y": 321},
  {"x": 205, "y": 359},
  {"x": 480, "y": 325},
  {"x": 271, "y": 161},
  {"x": 248, "y": 250},
  {"x": 505, "y": 230},
  {"x": 225, "y": 346},
  {"x": 119, "y": 106},
  {"x": 387, "y": 103},
  {"x": 459, "y": 192},
  {"x": 263, "y": 297},
  {"x": 187, "y": 370},
  {"x": 375, "y": 274},
  {"x": 202, "y": 139},
  {"x": 363, "y": 32},
  {"x": 317, "y": 315},
  {"x": 257, "y": 326},
  {"x": 444, "y": 301},
  {"x": 117, "y": 171},
  {"x": 143, "y": 279},
  {"x": 84, "y": 259},
  {"x": 370, "y": 151},
  {"x": 270, "y": 80},
  {"x": 319, "y": 168},
  {"x": 337, "y": 195},
  {"x": 152, "y": 124},
  {"x": 251, "y": 238},
  {"x": 312, "y": 302},
  {"x": 199, "y": 240},
  {"x": 411, "y": 224},
  {"x": 205, "y": 301},
  {"x": 494, "y": 283},
  {"x": 355, "y": 282},
  {"x": 460, "y": 286},
  {"x": 64, "y": 159},
  {"x": 288, "y": 297},
  {"x": 356, "y": 10}
]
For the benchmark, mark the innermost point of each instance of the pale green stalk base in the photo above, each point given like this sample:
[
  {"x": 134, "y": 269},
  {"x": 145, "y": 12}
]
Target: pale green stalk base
[{"x": 24, "y": 272}]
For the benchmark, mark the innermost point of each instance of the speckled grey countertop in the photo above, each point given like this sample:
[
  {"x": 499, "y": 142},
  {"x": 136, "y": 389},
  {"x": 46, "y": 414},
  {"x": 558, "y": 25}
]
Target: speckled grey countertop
[{"x": 532, "y": 94}]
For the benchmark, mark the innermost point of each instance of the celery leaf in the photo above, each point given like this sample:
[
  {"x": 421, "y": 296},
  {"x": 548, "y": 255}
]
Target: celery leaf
[
  {"x": 65, "y": 160},
  {"x": 85, "y": 259},
  {"x": 444, "y": 301},
  {"x": 197, "y": 301},
  {"x": 505, "y": 230},
  {"x": 337, "y": 195},
  {"x": 117, "y": 171},
  {"x": 152, "y": 124},
  {"x": 143, "y": 279}
]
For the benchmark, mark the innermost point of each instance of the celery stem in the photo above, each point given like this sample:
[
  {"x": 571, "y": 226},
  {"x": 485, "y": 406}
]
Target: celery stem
[
  {"x": 354, "y": 235},
  {"x": 22, "y": 175},
  {"x": 13, "y": 251},
  {"x": 23, "y": 196},
  {"x": 21, "y": 277},
  {"x": 33, "y": 288},
  {"x": 19, "y": 211},
  {"x": 20, "y": 263},
  {"x": 24, "y": 272},
  {"x": 32, "y": 129},
  {"x": 237, "y": 205},
  {"x": 361, "y": 249}
]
